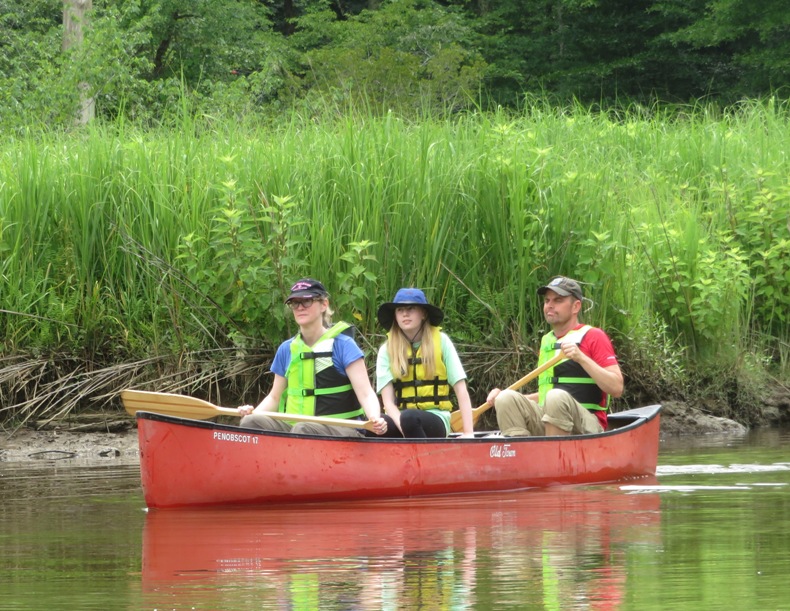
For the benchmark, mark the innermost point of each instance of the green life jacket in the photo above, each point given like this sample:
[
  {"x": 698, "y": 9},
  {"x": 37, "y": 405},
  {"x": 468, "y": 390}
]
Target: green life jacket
[
  {"x": 413, "y": 389},
  {"x": 568, "y": 375},
  {"x": 315, "y": 387}
]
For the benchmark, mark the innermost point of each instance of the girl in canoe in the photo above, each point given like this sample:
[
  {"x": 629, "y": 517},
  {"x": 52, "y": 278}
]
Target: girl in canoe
[
  {"x": 415, "y": 369},
  {"x": 318, "y": 372}
]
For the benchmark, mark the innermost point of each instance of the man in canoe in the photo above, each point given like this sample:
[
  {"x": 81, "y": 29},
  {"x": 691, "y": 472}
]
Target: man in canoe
[
  {"x": 318, "y": 372},
  {"x": 416, "y": 367},
  {"x": 573, "y": 396}
]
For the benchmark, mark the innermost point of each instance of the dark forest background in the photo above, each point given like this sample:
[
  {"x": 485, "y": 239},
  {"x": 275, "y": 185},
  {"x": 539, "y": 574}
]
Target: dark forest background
[{"x": 135, "y": 58}]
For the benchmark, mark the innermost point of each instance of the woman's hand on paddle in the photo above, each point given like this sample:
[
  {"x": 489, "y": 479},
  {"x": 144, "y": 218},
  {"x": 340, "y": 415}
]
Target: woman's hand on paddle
[
  {"x": 245, "y": 410},
  {"x": 379, "y": 426}
]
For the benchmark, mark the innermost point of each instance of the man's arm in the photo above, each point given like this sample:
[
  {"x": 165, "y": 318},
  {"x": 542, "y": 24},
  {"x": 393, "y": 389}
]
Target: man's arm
[{"x": 609, "y": 379}]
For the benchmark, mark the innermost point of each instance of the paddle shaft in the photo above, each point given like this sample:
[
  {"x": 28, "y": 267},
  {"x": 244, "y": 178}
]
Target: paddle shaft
[
  {"x": 184, "y": 406},
  {"x": 456, "y": 420}
]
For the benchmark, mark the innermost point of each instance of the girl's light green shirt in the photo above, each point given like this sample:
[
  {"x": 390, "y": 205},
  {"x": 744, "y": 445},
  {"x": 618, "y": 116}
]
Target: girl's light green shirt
[{"x": 455, "y": 371}]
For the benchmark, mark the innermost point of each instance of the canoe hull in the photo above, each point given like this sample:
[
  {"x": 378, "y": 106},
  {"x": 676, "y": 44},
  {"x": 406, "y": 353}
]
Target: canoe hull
[{"x": 190, "y": 463}]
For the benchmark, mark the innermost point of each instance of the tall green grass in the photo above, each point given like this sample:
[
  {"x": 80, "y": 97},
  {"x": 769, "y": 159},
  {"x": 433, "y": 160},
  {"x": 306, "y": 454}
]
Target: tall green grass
[{"x": 122, "y": 244}]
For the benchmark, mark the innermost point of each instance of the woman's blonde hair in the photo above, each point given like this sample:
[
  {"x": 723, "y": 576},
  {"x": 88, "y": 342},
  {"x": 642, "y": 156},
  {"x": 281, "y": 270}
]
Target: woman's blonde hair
[
  {"x": 398, "y": 350},
  {"x": 326, "y": 316}
]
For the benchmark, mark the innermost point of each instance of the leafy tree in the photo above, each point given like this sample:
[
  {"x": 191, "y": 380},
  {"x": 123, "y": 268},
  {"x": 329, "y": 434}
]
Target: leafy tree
[
  {"x": 584, "y": 48},
  {"x": 137, "y": 55},
  {"x": 285, "y": 14},
  {"x": 611, "y": 49},
  {"x": 39, "y": 80},
  {"x": 756, "y": 35},
  {"x": 683, "y": 70},
  {"x": 29, "y": 45},
  {"x": 198, "y": 39},
  {"x": 223, "y": 53},
  {"x": 392, "y": 56}
]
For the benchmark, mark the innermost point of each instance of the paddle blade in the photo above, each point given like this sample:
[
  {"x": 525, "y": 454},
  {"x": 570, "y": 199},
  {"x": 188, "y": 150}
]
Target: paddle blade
[
  {"x": 168, "y": 404},
  {"x": 184, "y": 406}
]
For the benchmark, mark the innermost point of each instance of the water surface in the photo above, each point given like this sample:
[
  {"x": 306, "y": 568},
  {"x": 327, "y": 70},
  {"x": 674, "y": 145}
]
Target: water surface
[{"x": 709, "y": 532}]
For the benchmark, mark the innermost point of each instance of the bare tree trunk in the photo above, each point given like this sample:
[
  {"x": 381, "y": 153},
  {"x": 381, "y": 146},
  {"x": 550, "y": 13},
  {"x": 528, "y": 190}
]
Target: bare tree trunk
[
  {"x": 75, "y": 18},
  {"x": 560, "y": 29}
]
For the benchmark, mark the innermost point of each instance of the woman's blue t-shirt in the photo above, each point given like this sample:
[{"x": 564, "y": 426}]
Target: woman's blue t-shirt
[{"x": 344, "y": 352}]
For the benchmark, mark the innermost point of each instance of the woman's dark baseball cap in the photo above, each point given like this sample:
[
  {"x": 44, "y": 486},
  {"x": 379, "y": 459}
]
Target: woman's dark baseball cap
[{"x": 306, "y": 288}]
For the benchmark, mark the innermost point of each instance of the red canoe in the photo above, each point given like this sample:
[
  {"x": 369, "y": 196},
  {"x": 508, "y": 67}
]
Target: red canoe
[{"x": 191, "y": 462}]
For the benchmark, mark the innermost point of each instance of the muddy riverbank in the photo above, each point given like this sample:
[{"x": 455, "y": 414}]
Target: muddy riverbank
[{"x": 27, "y": 444}]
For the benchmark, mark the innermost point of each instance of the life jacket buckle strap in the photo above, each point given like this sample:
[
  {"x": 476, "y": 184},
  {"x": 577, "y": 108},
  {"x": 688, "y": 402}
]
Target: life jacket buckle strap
[{"x": 314, "y": 355}]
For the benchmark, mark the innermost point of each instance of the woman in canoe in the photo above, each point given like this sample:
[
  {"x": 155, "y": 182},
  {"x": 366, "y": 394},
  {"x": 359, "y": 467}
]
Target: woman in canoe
[
  {"x": 415, "y": 369},
  {"x": 318, "y": 372}
]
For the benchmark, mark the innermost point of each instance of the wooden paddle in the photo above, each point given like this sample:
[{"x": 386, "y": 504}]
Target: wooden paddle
[
  {"x": 456, "y": 420},
  {"x": 184, "y": 406}
]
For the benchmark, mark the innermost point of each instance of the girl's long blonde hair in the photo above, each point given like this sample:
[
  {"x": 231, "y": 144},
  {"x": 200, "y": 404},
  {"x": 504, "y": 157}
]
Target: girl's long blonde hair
[{"x": 398, "y": 350}]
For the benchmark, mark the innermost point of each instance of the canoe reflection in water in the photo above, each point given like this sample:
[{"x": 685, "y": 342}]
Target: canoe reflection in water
[{"x": 562, "y": 547}]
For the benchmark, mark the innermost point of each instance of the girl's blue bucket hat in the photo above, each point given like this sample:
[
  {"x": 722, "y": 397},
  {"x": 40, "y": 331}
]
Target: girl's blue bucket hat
[{"x": 406, "y": 297}]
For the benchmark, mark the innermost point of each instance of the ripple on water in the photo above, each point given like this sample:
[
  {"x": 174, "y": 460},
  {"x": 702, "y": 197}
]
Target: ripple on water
[{"x": 664, "y": 470}]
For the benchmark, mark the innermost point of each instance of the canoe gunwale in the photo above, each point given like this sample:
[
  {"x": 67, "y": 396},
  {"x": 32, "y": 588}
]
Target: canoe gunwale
[{"x": 622, "y": 421}]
